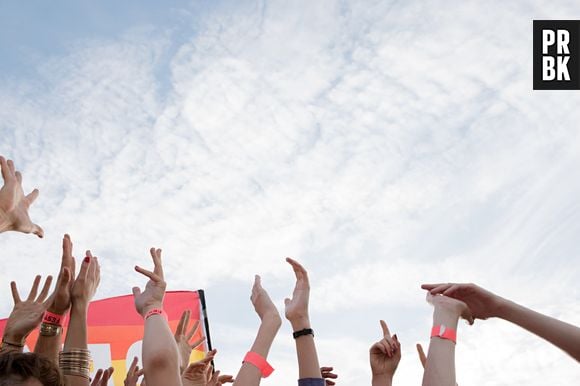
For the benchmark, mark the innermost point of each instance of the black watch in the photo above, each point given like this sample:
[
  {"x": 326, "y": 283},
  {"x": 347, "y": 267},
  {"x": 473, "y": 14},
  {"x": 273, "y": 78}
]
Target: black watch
[{"x": 306, "y": 331}]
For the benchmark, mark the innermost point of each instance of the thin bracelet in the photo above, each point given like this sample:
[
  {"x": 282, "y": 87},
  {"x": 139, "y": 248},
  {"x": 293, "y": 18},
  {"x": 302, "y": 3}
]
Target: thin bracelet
[{"x": 156, "y": 311}]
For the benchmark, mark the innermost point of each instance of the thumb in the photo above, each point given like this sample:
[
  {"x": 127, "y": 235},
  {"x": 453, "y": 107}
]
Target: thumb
[
  {"x": 136, "y": 291},
  {"x": 286, "y": 301},
  {"x": 37, "y": 230}
]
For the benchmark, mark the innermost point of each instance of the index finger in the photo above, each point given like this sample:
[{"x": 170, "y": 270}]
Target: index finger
[
  {"x": 133, "y": 365},
  {"x": 386, "y": 332},
  {"x": 299, "y": 270},
  {"x": 180, "y": 326},
  {"x": 157, "y": 266}
]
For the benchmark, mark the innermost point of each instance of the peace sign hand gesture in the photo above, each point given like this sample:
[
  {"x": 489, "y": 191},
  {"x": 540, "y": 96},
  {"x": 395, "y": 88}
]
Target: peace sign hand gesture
[{"x": 154, "y": 292}]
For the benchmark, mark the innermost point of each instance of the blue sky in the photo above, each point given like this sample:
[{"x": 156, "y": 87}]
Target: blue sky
[{"x": 383, "y": 144}]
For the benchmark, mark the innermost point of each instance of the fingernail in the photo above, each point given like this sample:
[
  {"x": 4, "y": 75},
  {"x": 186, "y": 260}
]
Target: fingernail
[{"x": 87, "y": 259}]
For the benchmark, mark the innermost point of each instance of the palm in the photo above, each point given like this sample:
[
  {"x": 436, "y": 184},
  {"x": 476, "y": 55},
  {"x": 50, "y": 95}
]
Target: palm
[
  {"x": 381, "y": 363},
  {"x": 297, "y": 307},
  {"x": 152, "y": 295},
  {"x": 26, "y": 316},
  {"x": 14, "y": 204}
]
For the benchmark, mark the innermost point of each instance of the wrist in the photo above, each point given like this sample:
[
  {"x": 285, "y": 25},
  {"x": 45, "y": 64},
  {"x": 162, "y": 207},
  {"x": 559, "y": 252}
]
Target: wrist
[
  {"x": 79, "y": 307},
  {"x": 145, "y": 310},
  {"x": 382, "y": 379},
  {"x": 445, "y": 316},
  {"x": 15, "y": 338},
  {"x": 58, "y": 311},
  {"x": 300, "y": 323},
  {"x": 504, "y": 308}
]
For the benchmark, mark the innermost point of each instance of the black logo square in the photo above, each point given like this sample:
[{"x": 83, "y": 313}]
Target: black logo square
[{"x": 556, "y": 54}]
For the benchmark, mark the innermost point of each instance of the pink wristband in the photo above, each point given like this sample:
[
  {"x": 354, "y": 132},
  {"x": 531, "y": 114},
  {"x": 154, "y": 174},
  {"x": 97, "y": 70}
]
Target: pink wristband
[
  {"x": 52, "y": 318},
  {"x": 260, "y": 362},
  {"x": 444, "y": 332},
  {"x": 156, "y": 311}
]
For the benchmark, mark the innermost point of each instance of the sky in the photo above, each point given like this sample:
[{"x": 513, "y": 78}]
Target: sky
[{"x": 383, "y": 144}]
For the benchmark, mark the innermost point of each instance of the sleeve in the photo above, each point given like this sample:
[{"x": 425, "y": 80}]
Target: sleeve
[{"x": 311, "y": 382}]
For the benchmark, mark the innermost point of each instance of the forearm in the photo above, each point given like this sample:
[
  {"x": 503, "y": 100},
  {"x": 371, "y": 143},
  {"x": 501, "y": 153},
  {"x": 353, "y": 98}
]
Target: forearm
[
  {"x": 440, "y": 367},
  {"x": 561, "y": 334},
  {"x": 308, "y": 366},
  {"x": 76, "y": 338},
  {"x": 48, "y": 347},
  {"x": 160, "y": 355},
  {"x": 249, "y": 374}
]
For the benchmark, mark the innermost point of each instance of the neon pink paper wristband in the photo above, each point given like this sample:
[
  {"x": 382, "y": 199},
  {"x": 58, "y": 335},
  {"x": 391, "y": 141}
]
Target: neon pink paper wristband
[
  {"x": 258, "y": 361},
  {"x": 52, "y": 318},
  {"x": 444, "y": 332}
]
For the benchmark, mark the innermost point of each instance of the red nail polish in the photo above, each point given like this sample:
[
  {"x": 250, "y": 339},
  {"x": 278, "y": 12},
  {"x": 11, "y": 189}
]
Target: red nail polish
[{"x": 87, "y": 259}]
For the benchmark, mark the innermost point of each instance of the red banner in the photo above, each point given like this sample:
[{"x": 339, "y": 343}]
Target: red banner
[{"x": 115, "y": 329}]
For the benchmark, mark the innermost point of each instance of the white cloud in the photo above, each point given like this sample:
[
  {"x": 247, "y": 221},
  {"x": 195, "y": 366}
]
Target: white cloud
[{"x": 382, "y": 143}]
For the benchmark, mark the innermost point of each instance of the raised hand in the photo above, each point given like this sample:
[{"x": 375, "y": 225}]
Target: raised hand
[
  {"x": 182, "y": 338},
  {"x": 448, "y": 306},
  {"x": 384, "y": 357},
  {"x": 328, "y": 375},
  {"x": 199, "y": 373},
  {"x": 482, "y": 303},
  {"x": 263, "y": 305},
  {"x": 154, "y": 292},
  {"x": 26, "y": 315},
  {"x": 14, "y": 204},
  {"x": 86, "y": 283},
  {"x": 60, "y": 298},
  {"x": 102, "y": 377},
  {"x": 133, "y": 374},
  {"x": 297, "y": 308}
]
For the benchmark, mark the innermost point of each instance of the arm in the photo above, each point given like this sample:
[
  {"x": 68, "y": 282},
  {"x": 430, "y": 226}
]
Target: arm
[
  {"x": 485, "y": 304},
  {"x": 83, "y": 290},
  {"x": 440, "y": 366},
  {"x": 384, "y": 357},
  {"x": 49, "y": 341},
  {"x": 250, "y": 375},
  {"x": 160, "y": 356},
  {"x": 561, "y": 334},
  {"x": 297, "y": 313},
  {"x": 14, "y": 204}
]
